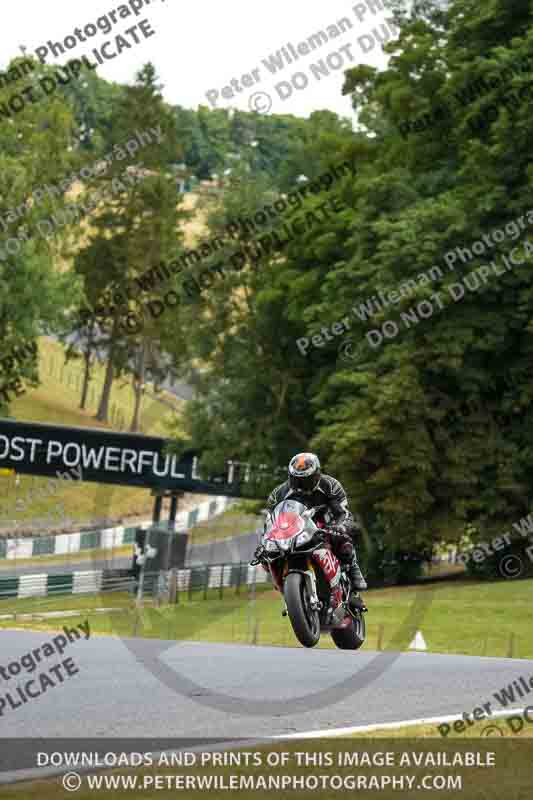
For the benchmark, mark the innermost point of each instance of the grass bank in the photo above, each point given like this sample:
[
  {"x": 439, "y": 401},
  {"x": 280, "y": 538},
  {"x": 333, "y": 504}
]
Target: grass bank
[
  {"x": 479, "y": 619},
  {"x": 487, "y": 728}
]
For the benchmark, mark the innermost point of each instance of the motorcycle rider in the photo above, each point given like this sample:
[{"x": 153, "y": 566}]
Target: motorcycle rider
[{"x": 307, "y": 485}]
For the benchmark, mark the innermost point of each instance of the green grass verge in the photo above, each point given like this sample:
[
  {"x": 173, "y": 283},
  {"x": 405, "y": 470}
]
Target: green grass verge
[
  {"x": 481, "y": 619},
  {"x": 479, "y": 730},
  {"x": 65, "y": 381},
  {"x": 83, "y": 602}
]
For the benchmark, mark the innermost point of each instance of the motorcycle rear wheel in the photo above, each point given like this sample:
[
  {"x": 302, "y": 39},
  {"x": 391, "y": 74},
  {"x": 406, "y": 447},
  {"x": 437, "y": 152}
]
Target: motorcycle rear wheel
[
  {"x": 353, "y": 636},
  {"x": 305, "y": 622}
]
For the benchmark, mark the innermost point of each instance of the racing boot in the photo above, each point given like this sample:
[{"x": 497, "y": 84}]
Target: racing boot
[{"x": 357, "y": 581}]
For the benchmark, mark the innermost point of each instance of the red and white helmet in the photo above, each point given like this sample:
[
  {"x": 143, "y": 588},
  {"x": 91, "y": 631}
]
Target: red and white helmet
[{"x": 304, "y": 472}]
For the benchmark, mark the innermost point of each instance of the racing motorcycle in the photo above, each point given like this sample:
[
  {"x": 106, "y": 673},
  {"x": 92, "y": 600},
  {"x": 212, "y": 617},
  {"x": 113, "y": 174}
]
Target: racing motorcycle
[{"x": 297, "y": 554}]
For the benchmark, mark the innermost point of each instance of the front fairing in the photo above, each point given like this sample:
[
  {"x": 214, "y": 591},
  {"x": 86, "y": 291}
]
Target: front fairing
[{"x": 289, "y": 527}]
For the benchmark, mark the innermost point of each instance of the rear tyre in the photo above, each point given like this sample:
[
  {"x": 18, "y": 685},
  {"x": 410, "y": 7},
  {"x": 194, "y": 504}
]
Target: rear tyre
[
  {"x": 305, "y": 622},
  {"x": 353, "y": 636}
]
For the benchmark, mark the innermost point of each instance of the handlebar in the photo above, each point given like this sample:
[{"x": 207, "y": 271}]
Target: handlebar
[
  {"x": 332, "y": 531},
  {"x": 258, "y": 556}
]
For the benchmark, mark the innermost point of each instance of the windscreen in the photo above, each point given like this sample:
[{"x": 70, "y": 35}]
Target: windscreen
[{"x": 285, "y": 520}]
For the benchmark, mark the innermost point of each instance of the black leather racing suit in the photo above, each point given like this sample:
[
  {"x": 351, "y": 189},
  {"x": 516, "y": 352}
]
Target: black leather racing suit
[{"x": 330, "y": 492}]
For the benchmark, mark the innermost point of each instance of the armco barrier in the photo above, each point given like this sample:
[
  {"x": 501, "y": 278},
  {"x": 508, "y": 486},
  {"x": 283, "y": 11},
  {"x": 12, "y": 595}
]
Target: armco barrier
[
  {"x": 9, "y": 587},
  {"x": 60, "y": 584},
  {"x": 218, "y": 576},
  {"x": 33, "y": 586},
  {"x": 56, "y": 585}
]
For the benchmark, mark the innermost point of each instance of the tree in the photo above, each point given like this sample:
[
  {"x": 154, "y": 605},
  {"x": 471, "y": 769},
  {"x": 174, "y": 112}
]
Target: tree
[
  {"x": 33, "y": 295},
  {"x": 253, "y": 394},
  {"x": 430, "y": 429},
  {"x": 135, "y": 228}
]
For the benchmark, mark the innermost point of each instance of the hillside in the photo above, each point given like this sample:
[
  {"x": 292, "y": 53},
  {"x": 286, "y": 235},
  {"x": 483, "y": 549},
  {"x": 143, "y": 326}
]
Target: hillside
[{"x": 56, "y": 401}]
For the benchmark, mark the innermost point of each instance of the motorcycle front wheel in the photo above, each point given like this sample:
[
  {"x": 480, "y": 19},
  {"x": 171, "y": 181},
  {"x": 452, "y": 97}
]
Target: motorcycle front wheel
[{"x": 305, "y": 622}]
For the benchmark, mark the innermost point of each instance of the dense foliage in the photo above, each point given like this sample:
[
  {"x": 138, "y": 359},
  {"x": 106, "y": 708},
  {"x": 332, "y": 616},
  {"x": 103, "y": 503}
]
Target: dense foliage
[
  {"x": 432, "y": 429},
  {"x": 422, "y": 404}
]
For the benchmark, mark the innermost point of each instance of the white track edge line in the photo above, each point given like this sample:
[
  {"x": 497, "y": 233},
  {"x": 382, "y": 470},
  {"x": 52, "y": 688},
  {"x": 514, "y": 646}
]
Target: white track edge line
[{"x": 393, "y": 725}]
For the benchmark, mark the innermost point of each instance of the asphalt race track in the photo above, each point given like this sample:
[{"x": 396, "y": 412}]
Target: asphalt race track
[
  {"x": 115, "y": 695},
  {"x": 227, "y": 551}
]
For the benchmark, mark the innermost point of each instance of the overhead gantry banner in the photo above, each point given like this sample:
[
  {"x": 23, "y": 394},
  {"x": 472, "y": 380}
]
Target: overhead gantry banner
[{"x": 120, "y": 458}]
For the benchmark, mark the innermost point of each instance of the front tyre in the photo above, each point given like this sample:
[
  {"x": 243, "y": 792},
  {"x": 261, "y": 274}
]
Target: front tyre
[
  {"x": 305, "y": 622},
  {"x": 351, "y": 637}
]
